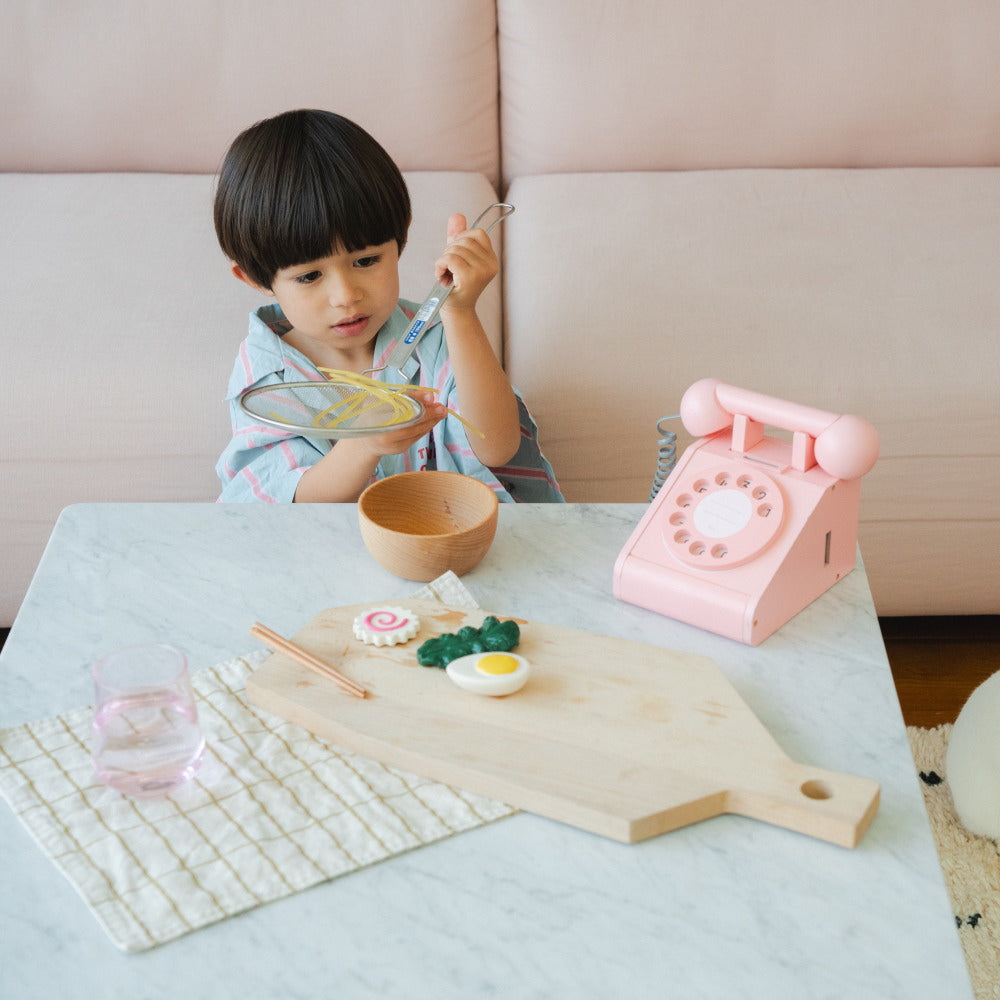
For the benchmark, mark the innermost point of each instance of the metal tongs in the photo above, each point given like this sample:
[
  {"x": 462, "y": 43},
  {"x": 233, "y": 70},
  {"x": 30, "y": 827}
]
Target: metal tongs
[{"x": 427, "y": 313}]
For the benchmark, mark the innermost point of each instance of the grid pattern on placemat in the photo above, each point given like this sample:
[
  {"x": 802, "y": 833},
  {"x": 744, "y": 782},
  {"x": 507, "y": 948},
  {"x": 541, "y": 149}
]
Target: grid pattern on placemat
[
  {"x": 971, "y": 864},
  {"x": 272, "y": 811}
]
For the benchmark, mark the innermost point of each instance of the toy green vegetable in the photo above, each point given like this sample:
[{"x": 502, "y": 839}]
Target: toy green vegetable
[{"x": 493, "y": 636}]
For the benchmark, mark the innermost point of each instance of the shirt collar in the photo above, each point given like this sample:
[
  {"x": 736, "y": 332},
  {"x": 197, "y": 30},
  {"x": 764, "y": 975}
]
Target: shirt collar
[{"x": 270, "y": 355}]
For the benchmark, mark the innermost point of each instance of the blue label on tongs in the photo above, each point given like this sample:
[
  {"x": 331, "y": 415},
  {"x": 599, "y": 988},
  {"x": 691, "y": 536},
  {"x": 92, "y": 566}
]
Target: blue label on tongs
[
  {"x": 418, "y": 325},
  {"x": 420, "y": 320}
]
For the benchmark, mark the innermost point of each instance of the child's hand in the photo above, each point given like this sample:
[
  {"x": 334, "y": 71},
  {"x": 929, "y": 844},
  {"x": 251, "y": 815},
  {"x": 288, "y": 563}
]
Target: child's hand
[
  {"x": 341, "y": 475},
  {"x": 394, "y": 442},
  {"x": 488, "y": 401},
  {"x": 470, "y": 260}
]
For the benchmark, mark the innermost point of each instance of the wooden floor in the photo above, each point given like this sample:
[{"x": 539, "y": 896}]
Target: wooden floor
[{"x": 936, "y": 662}]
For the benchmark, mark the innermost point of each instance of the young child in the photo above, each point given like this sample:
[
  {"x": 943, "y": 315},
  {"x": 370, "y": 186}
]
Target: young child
[{"x": 312, "y": 212}]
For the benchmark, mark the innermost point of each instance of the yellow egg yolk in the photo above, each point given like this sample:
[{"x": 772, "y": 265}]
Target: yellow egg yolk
[{"x": 496, "y": 663}]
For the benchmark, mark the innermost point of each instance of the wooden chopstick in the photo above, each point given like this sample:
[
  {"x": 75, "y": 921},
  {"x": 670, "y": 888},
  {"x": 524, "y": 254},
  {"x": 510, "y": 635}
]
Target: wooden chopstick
[{"x": 281, "y": 645}]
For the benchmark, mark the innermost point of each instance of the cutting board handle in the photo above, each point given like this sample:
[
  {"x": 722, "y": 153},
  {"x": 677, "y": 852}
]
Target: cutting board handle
[{"x": 835, "y": 807}]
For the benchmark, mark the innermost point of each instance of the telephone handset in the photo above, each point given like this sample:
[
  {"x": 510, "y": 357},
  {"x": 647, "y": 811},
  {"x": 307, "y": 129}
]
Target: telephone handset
[{"x": 748, "y": 529}]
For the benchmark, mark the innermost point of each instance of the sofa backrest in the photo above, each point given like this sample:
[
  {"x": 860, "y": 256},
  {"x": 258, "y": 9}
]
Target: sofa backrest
[
  {"x": 706, "y": 84},
  {"x": 644, "y": 143},
  {"x": 664, "y": 234},
  {"x": 124, "y": 86}
]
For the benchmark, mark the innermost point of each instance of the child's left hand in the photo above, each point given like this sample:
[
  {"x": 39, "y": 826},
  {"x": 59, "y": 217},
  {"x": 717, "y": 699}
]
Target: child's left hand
[{"x": 470, "y": 260}]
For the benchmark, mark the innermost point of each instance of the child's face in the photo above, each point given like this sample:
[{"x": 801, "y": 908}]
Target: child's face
[{"x": 338, "y": 304}]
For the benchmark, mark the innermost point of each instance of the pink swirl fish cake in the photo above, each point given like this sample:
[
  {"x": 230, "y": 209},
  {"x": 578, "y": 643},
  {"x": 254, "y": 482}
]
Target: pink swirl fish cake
[{"x": 386, "y": 626}]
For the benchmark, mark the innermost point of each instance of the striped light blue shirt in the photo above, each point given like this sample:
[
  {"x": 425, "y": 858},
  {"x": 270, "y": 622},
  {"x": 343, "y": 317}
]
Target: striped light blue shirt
[{"x": 262, "y": 464}]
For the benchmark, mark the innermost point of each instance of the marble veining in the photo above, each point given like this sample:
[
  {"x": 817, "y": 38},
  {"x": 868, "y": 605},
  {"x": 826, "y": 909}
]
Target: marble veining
[{"x": 525, "y": 907}]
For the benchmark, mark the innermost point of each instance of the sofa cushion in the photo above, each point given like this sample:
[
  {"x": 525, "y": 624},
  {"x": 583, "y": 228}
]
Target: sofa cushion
[
  {"x": 690, "y": 84},
  {"x": 116, "y": 85},
  {"x": 121, "y": 315},
  {"x": 861, "y": 291}
]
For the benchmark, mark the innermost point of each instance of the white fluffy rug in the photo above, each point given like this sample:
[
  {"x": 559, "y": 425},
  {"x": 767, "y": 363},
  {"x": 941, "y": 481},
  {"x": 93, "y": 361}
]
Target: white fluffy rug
[{"x": 971, "y": 864}]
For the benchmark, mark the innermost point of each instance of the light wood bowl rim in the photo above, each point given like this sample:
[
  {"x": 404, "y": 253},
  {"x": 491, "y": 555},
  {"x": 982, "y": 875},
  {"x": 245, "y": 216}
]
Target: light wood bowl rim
[{"x": 378, "y": 487}]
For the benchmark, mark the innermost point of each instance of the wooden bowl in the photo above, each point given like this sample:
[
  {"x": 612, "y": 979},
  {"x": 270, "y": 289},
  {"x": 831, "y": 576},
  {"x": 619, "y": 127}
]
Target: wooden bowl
[{"x": 418, "y": 525}]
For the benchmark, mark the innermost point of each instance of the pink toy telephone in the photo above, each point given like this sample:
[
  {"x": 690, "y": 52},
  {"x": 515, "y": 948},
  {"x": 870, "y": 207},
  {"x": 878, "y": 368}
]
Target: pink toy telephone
[{"x": 749, "y": 529}]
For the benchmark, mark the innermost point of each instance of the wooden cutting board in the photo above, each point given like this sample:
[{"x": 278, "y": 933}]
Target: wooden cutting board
[{"x": 620, "y": 738}]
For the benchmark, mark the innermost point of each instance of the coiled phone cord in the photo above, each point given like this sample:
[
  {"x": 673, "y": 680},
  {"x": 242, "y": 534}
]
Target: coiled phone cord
[{"x": 666, "y": 454}]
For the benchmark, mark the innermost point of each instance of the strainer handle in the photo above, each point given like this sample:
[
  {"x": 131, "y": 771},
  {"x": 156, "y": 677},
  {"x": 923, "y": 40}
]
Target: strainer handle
[{"x": 427, "y": 313}]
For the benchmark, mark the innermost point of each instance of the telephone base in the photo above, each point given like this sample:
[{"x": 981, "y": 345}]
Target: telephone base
[{"x": 746, "y": 618}]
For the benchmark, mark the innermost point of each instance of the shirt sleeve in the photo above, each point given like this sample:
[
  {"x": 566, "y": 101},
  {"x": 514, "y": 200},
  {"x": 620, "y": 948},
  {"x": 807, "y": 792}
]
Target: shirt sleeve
[
  {"x": 526, "y": 478},
  {"x": 262, "y": 464}
]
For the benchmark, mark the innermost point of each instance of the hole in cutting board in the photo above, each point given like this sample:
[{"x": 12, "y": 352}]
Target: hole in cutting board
[{"x": 816, "y": 790}]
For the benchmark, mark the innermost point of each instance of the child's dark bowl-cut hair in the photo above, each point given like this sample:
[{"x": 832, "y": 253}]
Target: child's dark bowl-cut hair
[{"x": 296, "y": 187}]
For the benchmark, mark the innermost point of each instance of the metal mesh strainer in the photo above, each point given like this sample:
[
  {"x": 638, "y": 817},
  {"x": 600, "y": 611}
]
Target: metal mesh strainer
[{"x": 330, "y": 409}]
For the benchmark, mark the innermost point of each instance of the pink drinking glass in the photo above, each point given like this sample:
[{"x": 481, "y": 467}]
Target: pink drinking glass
[{"x": 146, "y": 738}]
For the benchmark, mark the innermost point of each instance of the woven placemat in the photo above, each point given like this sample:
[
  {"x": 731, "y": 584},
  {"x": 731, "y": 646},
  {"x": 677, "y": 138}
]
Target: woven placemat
[
  {"x": 272, "y": 811},
  {"x": 971, "y": 864}
]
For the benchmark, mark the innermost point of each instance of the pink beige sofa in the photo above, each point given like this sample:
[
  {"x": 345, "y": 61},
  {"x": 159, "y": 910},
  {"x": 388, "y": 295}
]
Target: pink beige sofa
[{"x": 798, "y": 199}]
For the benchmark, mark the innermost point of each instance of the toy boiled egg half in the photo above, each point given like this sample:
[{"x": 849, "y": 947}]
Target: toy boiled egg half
[{"x": 489, "y": 673}]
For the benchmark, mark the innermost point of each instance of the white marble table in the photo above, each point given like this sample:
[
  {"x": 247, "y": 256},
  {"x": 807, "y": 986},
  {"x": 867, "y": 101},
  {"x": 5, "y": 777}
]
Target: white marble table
[{"x": 524, "y": 907}]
